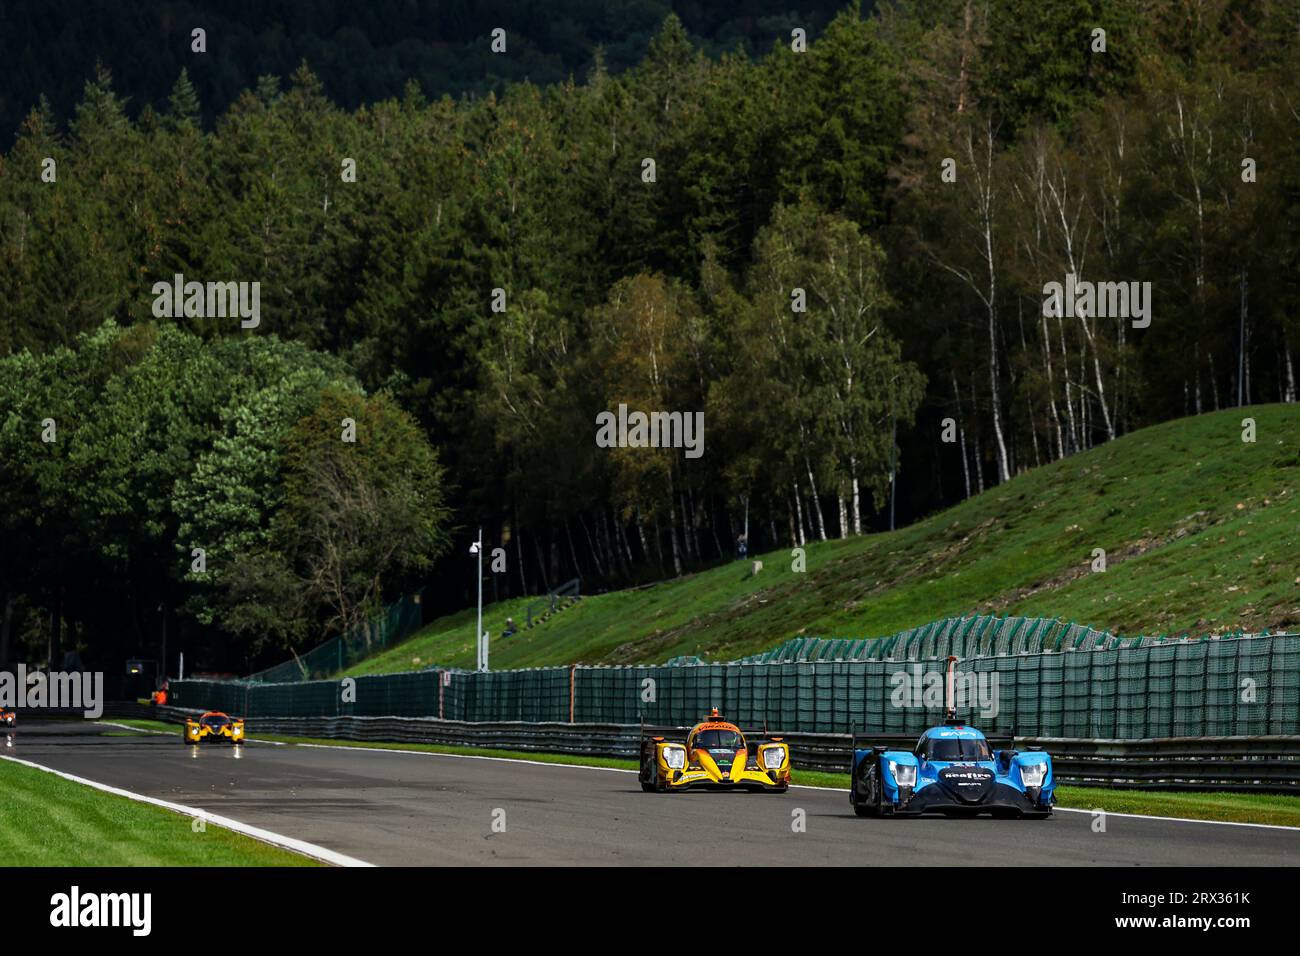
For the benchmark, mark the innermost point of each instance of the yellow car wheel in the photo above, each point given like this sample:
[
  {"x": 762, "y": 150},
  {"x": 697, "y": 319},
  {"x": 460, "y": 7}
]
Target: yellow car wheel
[{"x": 650, "y": 782}]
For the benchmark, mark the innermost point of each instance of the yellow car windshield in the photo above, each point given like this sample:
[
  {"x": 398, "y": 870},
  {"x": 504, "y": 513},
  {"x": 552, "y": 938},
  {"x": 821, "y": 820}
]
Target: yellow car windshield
[{"x": 718, "y": 740}]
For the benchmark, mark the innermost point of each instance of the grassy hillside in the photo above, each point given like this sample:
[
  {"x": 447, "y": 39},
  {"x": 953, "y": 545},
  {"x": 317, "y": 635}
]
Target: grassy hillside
[{"x": 1201, "y": 532}]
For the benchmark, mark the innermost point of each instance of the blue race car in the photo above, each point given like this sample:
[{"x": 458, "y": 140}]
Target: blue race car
[{"x": 953, "y": 771}]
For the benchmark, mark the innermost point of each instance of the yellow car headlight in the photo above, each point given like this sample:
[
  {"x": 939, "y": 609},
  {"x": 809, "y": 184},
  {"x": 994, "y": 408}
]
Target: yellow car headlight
[
  {"x": 773, "y": 757},
  {"x": 675, "y": 757}
]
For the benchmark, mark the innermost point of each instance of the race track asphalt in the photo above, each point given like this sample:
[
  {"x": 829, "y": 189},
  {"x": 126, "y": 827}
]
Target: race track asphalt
[{"x": 407, "y": 808}]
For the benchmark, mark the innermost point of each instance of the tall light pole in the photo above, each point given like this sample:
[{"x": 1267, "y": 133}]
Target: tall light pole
[
  {"x": 481, "y": 645},
  {"x": 893, "y": 440},
  {"x": 162, "y": 610},
  {"x": 1241, "y": 345},
  {"x": 893, "y": 462}
]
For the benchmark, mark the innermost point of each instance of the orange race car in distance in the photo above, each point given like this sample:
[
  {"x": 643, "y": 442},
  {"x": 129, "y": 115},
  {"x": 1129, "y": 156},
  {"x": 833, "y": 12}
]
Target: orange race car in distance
[
  {"x": 714, "y": 756},
  {"x": 214, "y": 726},
  {"x": 8, "y": 718}
]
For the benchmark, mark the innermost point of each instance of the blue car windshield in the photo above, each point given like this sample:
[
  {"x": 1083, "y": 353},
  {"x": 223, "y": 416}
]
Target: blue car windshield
[{"x": 957, "y": 748}]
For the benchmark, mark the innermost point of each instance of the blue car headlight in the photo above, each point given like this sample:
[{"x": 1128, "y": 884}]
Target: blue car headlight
[
  {"x": 1033, "y": 775},
  {"x": 904, "y": 774}
]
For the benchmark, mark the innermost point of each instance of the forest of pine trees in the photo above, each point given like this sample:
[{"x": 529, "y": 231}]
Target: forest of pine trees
[{"x": 915, "y": 177}]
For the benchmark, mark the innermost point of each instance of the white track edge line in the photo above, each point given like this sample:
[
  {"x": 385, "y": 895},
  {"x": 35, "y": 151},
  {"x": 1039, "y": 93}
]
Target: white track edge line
[
  {"x": 435, "y": 753},
  {"x": 138, "y": 730},
  {"x": 257, "y": 833},
  {"x": 1149, "y": 816}
]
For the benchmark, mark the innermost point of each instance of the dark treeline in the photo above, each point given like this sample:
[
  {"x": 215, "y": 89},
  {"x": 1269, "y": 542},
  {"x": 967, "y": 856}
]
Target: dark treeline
[
  {"x": 363, "y": 52},
  {"x": 651, "y": 236}
]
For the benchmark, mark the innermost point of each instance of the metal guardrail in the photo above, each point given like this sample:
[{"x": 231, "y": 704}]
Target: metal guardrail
[{"x": 1259, "y": 764}]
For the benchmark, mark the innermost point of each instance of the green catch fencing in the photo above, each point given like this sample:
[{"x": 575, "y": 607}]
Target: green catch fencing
[
  {"x": 397, "y": 621},
  {"x": 1085, "y": 685}
]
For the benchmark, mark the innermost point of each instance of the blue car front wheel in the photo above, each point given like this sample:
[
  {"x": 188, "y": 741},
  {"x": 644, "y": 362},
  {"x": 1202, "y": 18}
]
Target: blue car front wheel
[{"x": 865, "y": 794}]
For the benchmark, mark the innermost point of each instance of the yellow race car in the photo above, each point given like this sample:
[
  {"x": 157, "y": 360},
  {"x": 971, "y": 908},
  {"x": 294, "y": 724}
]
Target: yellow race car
[
  {"x": 713, "y": 756},
  {"x": 214, "y": 726}
]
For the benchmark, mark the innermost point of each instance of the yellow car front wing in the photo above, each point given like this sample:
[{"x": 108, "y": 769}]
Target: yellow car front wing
[
  {"x": 705, "y": 773},
  {"x": 196, "y": 732}
]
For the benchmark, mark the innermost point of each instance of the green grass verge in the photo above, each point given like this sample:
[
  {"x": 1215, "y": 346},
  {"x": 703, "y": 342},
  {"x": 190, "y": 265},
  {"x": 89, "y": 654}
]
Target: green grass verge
[
  {"x": 1198, "y": 528},
  {"x": 48, "y": 821},
  {"x": 1280, "y": 809}
]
